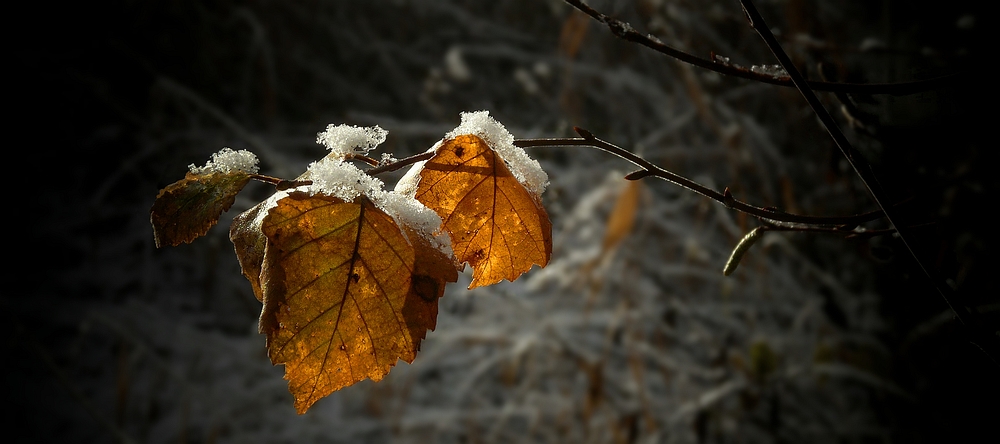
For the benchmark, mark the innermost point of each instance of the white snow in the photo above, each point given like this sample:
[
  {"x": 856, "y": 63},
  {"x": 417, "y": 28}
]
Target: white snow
[
  {"x": 341, "y": 179},
  {"x": 226, "y": 161},
  {"x": 406, "y": 210},
  {"x": 524, "y": 168},
  {"x": 345, "y": 140},
  {"x": 387, "y": 158},
  {"x": 407, "y": 185},
  {"x": 775, "y": 71},
  {"x": 333, "y": 176}
]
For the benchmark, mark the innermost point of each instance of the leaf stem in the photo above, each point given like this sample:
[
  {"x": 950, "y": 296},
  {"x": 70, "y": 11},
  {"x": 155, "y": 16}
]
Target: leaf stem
[
  {"x": 279, "y": 183},
  {"x": 400, "y": 163},
  {"x": 363, "y": 158}
]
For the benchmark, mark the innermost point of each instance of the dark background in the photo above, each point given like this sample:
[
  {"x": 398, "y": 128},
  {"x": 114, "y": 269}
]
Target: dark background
[{"x": 110, "y": 339}]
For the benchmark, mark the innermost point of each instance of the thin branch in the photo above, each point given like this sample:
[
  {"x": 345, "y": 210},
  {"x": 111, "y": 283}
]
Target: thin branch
[
  {"x": 400, "y": 163},
  {"x": 982, "y": 337},
  {"x": 279, "y": 183},
  {"x": 748, "y": 240},
  {"x": 847, "y": 231},
  {"x": 726, "y": 198},
  {"x": 625, "y": 31},
  {"x": 363, "y": 158}
]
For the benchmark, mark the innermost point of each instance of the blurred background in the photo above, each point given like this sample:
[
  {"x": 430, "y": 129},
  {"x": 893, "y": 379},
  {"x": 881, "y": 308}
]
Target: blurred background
[{"x": 631, "y": 334}]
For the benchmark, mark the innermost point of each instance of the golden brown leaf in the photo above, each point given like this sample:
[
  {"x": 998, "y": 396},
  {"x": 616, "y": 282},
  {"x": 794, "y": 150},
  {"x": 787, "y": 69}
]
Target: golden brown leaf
[
  {"x": 345, "y": 293},
  {"x": 188, "y": 208},
  {"x": 496, "y": 225}
]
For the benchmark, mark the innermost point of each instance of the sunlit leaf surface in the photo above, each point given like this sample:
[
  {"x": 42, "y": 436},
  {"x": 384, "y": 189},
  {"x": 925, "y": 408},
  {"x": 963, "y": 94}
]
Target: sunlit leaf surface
[
  {"x": 496, "y": 225},
  {"x": 344, "y": 295}
]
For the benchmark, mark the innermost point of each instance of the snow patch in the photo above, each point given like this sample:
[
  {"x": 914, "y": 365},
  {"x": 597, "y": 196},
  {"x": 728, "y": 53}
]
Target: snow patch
[
  {"x": 407, "y": 185},
  {"x": 345, "y": 140},
  {"x": 523, "y": 167},
  {"x": 406, "y": 210},
  {"x": 226, "y": 161},
  {"x": 342, "y": 180}
]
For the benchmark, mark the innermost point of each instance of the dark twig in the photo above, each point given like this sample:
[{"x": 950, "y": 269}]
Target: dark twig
[
  {"x": 744, "y": 245},
  {"x": 399, "y": 163},
  {"x": 726, "y": 198},
  {"x": 279, "y": 183},
  {"x": 848, "y": 231},
  {"x": 981, "y": 336},
  {"x": 363, "y": 158},
  {"x": 625, "y": 31}
]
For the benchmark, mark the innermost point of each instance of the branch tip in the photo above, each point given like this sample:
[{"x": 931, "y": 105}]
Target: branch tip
[
  {"x": 584, "y": 133},
  {"x": 637, "y": 174}
]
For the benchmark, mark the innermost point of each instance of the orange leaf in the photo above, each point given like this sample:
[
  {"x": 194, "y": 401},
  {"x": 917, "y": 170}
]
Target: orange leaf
[
  {"x": 495, "y": 223},
  {"x": 345, "y": 293},
  {"x": 188, "y": 208},
  {"x": 622, "y": 216}
]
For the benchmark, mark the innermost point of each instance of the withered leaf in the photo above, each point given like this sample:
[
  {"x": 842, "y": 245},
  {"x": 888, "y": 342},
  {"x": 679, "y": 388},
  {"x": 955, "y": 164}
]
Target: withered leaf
[
  {"x": 622, "y": 216},
  {"x": 188, "y": 208},
  {"x": 345, "y": 294},
  {"x": 246, "y": 235},
  {"x": 496, "y": 225}
]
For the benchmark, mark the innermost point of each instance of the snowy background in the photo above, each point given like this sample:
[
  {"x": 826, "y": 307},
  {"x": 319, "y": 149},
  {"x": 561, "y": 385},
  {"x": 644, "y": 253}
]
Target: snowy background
[{"x": 629, "y": 335}]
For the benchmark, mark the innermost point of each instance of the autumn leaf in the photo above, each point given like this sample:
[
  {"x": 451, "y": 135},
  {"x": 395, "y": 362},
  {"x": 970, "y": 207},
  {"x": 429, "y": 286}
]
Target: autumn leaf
[
  {"x": 345, "y": 293},
  {"x": 246, "y": 235},
  {"x": 619, "y": 227},
  {"x": 622, "y": 216},
  {"x": 496, "y": 225},
  {"x": 188, "y": 208}
]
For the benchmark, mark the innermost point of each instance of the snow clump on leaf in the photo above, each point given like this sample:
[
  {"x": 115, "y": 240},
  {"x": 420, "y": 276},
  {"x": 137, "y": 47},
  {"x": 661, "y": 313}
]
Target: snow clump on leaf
[
  {"x": 523, "y": 167},
  {"x": 342, "y": 180},
  {"x": 227, "y": 161},
  {"x": 345, "y": 140},
  {"x": 406, "y": 210}
]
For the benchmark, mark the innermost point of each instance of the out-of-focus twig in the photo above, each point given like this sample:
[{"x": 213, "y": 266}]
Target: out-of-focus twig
[
  {"x": 626, "y": 32},
  {"x": 979, "y": 333}
]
